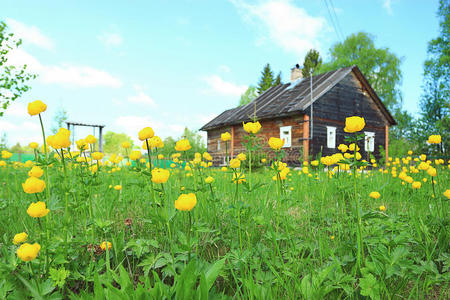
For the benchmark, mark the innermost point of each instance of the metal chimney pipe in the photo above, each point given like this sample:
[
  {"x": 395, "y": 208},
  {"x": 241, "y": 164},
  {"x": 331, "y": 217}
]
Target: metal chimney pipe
[{"x": 311, "y": 105}]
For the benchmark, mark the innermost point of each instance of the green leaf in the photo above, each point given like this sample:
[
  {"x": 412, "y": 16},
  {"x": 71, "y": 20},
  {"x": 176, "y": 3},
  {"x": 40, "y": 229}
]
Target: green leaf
[{"x": 369, "y": 286}]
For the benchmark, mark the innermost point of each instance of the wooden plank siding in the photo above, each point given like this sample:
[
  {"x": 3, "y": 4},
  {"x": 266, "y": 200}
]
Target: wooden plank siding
[
  {"x": 348, "y": 98},
  {"x": 270, "y": 128}
]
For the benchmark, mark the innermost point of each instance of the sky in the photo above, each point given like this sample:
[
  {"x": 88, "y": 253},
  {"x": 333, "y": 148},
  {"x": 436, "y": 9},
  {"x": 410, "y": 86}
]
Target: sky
[{"x": 173, "y": 63}]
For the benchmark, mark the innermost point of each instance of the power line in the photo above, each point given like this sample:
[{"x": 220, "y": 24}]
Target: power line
[
  {"x": 336, "y": 19},
  {"x": 332, "y": 21}
]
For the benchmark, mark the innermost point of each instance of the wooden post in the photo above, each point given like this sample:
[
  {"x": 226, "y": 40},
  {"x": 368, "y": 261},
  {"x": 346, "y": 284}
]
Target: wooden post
[
  {"x": 232, "y": 142},
  {"x": 100, "y": 140},
  {"x": 305, "y": 137},
  {"x": 386, "y": 136}
]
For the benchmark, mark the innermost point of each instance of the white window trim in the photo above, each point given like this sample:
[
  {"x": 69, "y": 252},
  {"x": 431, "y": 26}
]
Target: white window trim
[
  {"x": 218, "y": 145},
  {"x": 287, "y": 142},
  {"x": 333, "y": 144},
  {"x": 367, "y": 143}
]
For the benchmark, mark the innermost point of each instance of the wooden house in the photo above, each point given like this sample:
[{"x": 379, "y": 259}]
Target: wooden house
[{"x": 285, "y": 111}]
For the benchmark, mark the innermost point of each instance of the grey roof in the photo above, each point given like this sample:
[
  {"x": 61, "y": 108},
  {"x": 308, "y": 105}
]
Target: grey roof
[{"x": 290, "y": 98}]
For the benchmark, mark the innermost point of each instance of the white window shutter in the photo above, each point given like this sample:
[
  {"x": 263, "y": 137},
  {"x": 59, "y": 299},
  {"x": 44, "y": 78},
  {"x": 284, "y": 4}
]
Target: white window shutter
[
  {"x": 285, "y": 133},
  {"x": 369, "y": 141},
  {"x": 218, "y": 144},
  {"x": 331, "y": 137}
]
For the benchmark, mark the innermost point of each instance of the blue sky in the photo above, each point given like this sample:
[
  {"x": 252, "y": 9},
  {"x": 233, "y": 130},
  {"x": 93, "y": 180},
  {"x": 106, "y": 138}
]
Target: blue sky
[{"x": 170, "y": 64}]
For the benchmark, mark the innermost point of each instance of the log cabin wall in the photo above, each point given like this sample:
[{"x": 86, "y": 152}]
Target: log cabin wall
[
  {"x": 270, "y": 128},
  {"x": 347, "y": 98}
]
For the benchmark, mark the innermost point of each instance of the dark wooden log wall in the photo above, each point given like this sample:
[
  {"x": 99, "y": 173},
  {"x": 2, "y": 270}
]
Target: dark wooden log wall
[
  {"x": 270, "y": 128},
  {"x": 346, "y": 99}
]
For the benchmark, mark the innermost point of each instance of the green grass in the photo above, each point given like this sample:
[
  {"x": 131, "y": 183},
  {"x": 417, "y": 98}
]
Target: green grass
[{"x": 264, "y": 243}]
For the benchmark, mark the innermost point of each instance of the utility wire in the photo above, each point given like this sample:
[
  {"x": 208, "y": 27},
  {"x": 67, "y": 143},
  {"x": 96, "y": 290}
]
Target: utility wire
[{"x": 333, "y": 23}]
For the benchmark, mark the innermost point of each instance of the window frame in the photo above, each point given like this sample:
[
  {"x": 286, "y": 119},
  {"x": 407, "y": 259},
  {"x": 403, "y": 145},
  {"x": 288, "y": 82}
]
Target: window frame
[
  {"x": 367, "y": 142},
  {"x": 288, "y": 143},
  {"x": 334, "y": 141}
]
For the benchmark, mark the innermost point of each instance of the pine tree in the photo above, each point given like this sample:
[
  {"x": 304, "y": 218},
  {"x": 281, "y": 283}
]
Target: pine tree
[
  {"x": 278, "y": 80},
  {"x": 266, "y": 81},
  {"x": 312, "y": 61}
]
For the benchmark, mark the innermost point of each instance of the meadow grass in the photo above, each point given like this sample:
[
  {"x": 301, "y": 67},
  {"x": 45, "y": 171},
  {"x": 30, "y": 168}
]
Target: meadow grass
[{"x": 282, "y": 239}]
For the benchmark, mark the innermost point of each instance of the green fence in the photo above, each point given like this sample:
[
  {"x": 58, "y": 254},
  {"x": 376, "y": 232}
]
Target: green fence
[{"x": 23, "y": 157}]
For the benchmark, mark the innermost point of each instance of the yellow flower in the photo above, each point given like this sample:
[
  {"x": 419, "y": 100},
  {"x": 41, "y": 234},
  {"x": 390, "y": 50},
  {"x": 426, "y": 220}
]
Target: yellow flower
[
  {"x": 226, "y": 136},
  {"x": 358, "y": 156},
  {"x": 354, "y": 124},
  {"x": 33, "y": 145},
  {"x": 209, "y": 179},
  {"x": 118, "y": 187},
  {"x": 104, "y": 245},
  {"x": 447, "y": 194},
  {"x": 416, "y": 185},
  {"x": 423, "y": 157},
  {"x": 423, "y": 166},
  {"x": 146, "y": 133},
  {"x": 186, "y": 202},
  {"x": 37, "y": 209},
  {"x": 183, "y": 145},
  {"x": 6, "y": 154},
  {"x": 126, "y": 145},
  {"x": 60, "y": 140},
  {"x": 252, "y": 127},
  {"x": 239, "y": 177},
  {"x": 224, "y": 169},
  {"x": 33, "y": 185},
  {"x": 374, "y": 195},
  {"x": 36, "y": 107},
  {"x": 351, "y": 147},
  {"x": 90, "y": 139},
  {"x": 82, "y": 145},
  {"x": 241, "y": 156},
  {"x": 343, "y": 148},
  {"x": 276, "y": 143},
  {"x": 155, "y": 142},
  {"x": 36, "y": 172},
  {"x": 314, "y": 163},
  {"x": 410, "y": 152},
  {"x": 432, "y": 171},
  {"x": 235, "y": 163},
  {"x": 135, "y": 155},
  {"x": 160, "y": 156},
  {"x": 28, "y": 252},
  {"x": 327, "y": 160},
  {"x": 434, "y": 139},
  {"x": 207, "y": 156},
  {"x": 382, "y": 208},
  {"x": 20, "y": 238},
  {"x": 160, "y": 175},
  {"x": 97, "y": 155}
]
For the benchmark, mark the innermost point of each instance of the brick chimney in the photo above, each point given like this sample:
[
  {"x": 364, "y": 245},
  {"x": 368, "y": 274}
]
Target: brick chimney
[{"x": 296, "y": 73}]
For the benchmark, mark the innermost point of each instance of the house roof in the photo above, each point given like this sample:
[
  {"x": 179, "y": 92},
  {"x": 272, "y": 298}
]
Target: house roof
[{"x": 290, "y": 98}]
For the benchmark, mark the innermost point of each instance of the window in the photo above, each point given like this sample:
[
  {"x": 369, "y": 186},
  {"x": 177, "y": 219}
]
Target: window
[
  {"x": 218, "y": 145},
  {"x": 369, "y": 141},
  {"x": 331, "y": 137},
  {"x": 285, "y": 133}
]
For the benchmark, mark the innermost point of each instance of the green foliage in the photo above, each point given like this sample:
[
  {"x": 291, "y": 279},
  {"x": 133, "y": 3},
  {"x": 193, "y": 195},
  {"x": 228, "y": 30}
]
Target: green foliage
[
  {"x": 278, "y": 80},
  {"x": 248, "y": 95},
  {"x": 380, "y": 66},
  {"x": 12, "y": 78},
  {"x": 266, "y": 81},
  {"x": 435, "y": 101},
  {"x": 312, "y": 62},
  {"x": 113, "y": 142}
]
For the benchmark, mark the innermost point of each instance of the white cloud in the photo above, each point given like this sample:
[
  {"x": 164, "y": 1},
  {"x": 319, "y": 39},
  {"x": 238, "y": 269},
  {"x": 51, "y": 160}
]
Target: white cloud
[
  {"x": 286, "y": 24},
  {"x": 30, "y": 34},
  {"x": 7, "y": 126},
  {"x": 217, "y": 85},
  {"x": 17, "y": 109},
  {"x": 387, "y": 5},
  {"x": 224, "y": 69},
  {"x": 141, "y": 97},
  {"x": 110, "y": 39},
  {"x": 66, "y": 74}
]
